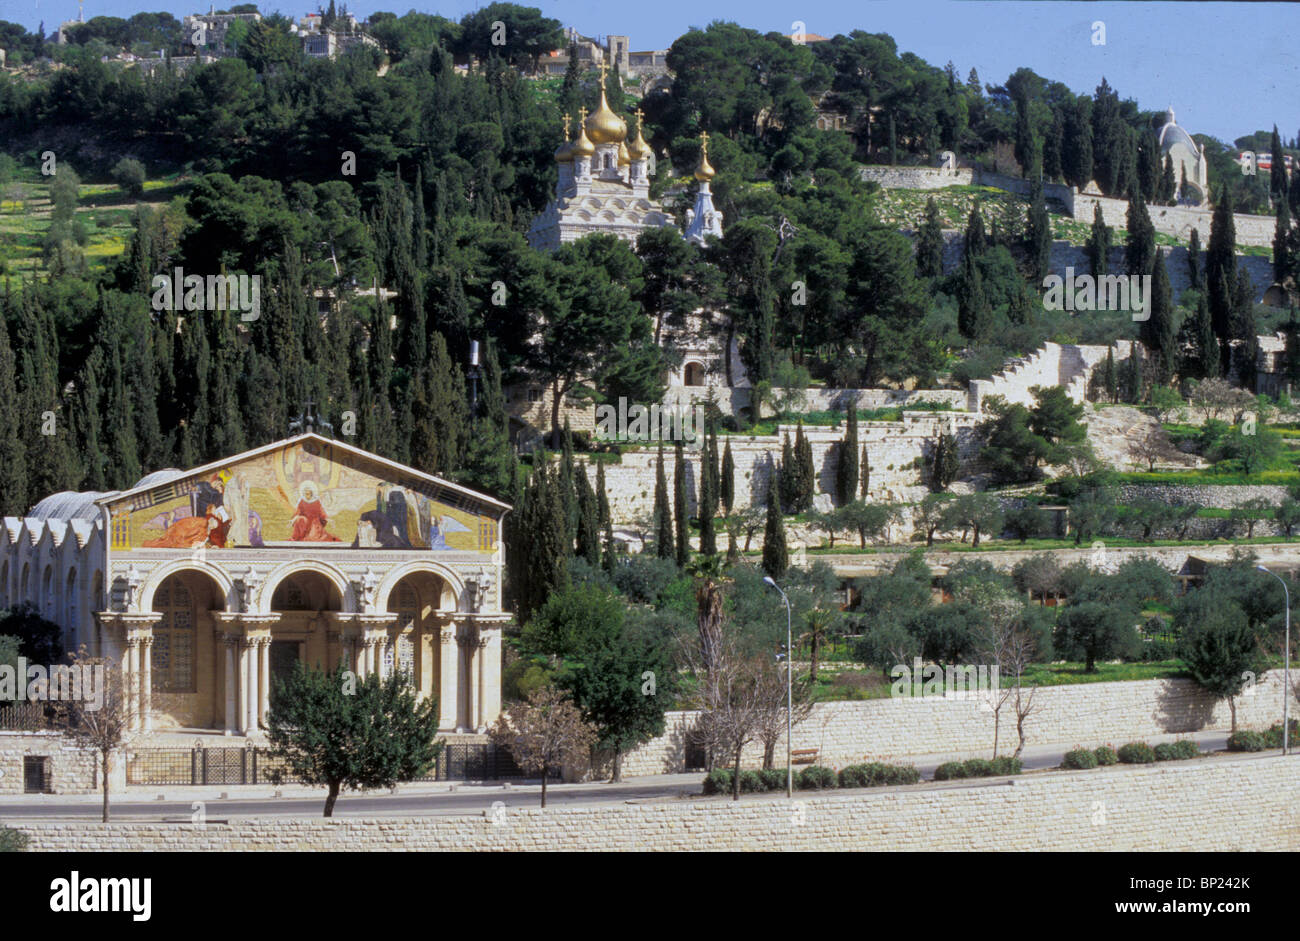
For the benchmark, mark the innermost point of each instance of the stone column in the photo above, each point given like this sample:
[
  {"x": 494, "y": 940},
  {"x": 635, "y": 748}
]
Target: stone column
[
  {"x": 448, "y": 665},
  {"x": 479, "y": 724},
  {"x": 264, "y": 676},
  {"x": 245, "y": 665},
  {"x": 132, "y": 682},
  {"x": 232, "y": 682},
  {"x": 146, "y": 682},
  {"x": 491, "y": 673}
]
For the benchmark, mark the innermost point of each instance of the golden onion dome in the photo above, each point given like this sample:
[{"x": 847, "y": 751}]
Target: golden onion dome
[
  {"x": 624, "y": 158},
  {"x": 638, "y": 149},
  {"x": 564, "y": 152},
  {"x": 603, "y": 126},
  {"x": 583, "y": 147},
  {"x": 704, "y": 172}
]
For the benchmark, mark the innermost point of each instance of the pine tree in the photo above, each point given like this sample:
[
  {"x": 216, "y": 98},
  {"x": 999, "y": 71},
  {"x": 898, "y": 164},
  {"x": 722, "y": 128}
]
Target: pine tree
[
  {"x": 665, "y": 544},
  {"x": 1098, "y": 248},
  {"x": 681, "y": 508},
  {"x": 776, "y": 554},
  {"x": 929, "y": 243},
  {"x": 708, "y": 504},
  {"x": 727, "y": 486},
  {"x": 846, "y": 472}
]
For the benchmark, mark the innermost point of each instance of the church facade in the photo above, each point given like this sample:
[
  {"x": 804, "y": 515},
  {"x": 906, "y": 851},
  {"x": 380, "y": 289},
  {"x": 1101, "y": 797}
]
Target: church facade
[
  {"x": 206, "y": 584},
  {"x": 1190, "y": 163}
]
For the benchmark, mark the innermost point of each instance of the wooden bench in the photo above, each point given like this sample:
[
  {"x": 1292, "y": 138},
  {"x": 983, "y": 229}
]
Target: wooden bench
[{"x": 803, "y": 756}]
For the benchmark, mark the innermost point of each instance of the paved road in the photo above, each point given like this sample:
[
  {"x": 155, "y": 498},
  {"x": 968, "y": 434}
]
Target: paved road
[{"x": 442, "y": 799}]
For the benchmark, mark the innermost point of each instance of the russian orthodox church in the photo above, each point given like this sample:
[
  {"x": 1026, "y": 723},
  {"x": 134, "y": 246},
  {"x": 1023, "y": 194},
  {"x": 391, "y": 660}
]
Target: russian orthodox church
[{"x": 603, "y": 186}]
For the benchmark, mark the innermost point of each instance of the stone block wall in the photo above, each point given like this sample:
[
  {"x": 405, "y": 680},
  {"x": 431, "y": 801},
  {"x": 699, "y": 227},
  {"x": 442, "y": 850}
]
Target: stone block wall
[
  {"x": 1085, "y": 714},
  {"x": 1177, "y": 221},
  {"x": 916, "y": 178},
  {"x": 1225, "y": 805},
  {"x": 71, "y": 770}
]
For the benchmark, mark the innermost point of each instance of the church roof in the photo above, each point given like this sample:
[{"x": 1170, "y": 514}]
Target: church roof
[
  {"x": 71, "y": 505},
  {"x": 1171, "y": 133}
]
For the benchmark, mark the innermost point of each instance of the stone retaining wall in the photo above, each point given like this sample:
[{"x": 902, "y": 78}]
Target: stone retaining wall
[
  {"x": 1086, "y": 714},
  {"x": 71, "y": 770},
  {"x": 1215, "y": 804}
]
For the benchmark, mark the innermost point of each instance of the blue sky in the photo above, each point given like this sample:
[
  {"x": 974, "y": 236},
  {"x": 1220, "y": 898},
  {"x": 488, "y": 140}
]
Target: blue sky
[{"x": 1227, "y": 68}]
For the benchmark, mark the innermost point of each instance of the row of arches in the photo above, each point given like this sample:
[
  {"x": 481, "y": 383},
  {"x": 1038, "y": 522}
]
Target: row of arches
[{"x": 68, "y": 600}]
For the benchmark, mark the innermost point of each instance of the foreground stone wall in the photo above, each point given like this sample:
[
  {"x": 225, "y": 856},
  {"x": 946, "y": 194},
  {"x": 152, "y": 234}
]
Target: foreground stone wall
[
  {"x": 1085, "y": 714},
  {"x": 1215, "y": 804}
]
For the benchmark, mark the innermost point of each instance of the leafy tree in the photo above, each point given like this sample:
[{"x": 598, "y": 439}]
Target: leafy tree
[
  {"x": 1097, "y": 631},
  {"x": 544, "y": 733},
  {"x": 1217, "y": 645},
  {"x": 335, "y": 731},
  {"x": 1251, "y": 512},
  {"x": 1027, "y": 521},
  {"x": 870, "y": 520},
  {"x": 528, "y": 34},
  {"x": 1012, "y": 450},
  {"x": 977, "y": 512},
  {"x": 1287, "y": 516},
  {"x": 129, "y": 174},
  {"x": 932, "y": 515}
]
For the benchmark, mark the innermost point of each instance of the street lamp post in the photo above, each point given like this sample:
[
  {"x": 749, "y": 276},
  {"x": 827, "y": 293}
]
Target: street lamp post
[
  {"x": 789, "y": 689},
  {"x": 1286, "y": 667}
]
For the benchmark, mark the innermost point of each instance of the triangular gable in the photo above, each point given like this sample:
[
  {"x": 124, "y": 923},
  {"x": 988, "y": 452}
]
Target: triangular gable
[{"x": 306, "y": 490}]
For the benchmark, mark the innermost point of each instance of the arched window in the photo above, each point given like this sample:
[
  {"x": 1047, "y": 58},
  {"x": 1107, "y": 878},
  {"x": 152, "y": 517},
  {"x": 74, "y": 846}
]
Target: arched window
[
  {"x": 289, "y": 596},
  {"x": 173, "y": 637},
  {"x": 72, "y": 626},
  {"x": 22, "y": 591},
  {"x": 693, "y": 374},
  {"x": 47, "y": 593}
]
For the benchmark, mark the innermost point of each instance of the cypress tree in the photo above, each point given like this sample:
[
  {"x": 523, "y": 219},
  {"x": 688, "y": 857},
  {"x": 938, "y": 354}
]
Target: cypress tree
[
  {"x": 13, "y": 458},
  {"x": 727, "y": 485},
  {"x": 776, "y": 554},
  {"x": 1109, "y": 379},
  {"x": 708, "y": 504},
  {"x": 1277, "y": 183},
  {"x": 665, "y": 546},
  {"x": 1204, "y": 358},
  {"x": 606, "y": 519},
  {"x": 866, "y": 474},
  {"x": 568, "y": 500},
  {"x": 1293, "y": 195},
  {"x": 929, "y": 243},
  {"x": 1076, "y": 145},
  {"x": 681, "y": 508},
  {"x": 1245, "y": 330},
  {"x": 846, "y": 473},
  {"x": 975, "y": 241},
  {"x": 588, "y": 519},
  {"x": 1221, "y": 266},
  {"x": 1158, "y": 330},
  {"x": 807, "y": 473},
  {"x": 1168, "y": 182},
  {"x": 788, "y": 472},
  {"x": 1098, "y": 248},
  {"x": 87, "y": 425},
  {"x": 1140, "y": 243},
  {"x": 489, "y": 458},
  {"x": 547, "y": 553},
  {"x": 1038, "y": 234},
  {"x": 1283, "y": 238},
  {"x": 439, "y": 414},
  {"x": 974, "y": 312},
  {"x": 1194, "y": 260}
]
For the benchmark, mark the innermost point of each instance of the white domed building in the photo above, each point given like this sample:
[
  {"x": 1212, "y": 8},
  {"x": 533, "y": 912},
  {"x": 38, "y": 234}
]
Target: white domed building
[{"x": 1189, "y": 161}]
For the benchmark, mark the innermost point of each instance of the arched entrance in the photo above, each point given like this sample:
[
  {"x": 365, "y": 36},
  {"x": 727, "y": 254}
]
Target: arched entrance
[
  {"x": 299, "y": 632},
  {"x": 183, "y": 651},
  {"x": 415, "y": 640}
]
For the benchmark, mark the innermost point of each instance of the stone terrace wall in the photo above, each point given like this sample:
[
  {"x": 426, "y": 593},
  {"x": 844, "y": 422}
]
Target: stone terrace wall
[
  {"x": 1055, "y": 364},
  {"x": 892, "y": 448},
  {"x": 1217, "y": 804},
  {"x": 1086, "y": 714},
  {"x": 1177, "y": 221},
  {"x": 916, "y": 178}
]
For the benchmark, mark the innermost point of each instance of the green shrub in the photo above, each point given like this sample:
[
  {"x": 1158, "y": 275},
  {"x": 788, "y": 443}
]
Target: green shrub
[
  {"x": 718, "y": 781},
  {"x": 751, "y": 782},
  {"x": 1106, "y": 755},
  {"x": 817, "y": 778},
  {"x": 1247, "y": 740},
  {"x": 877, "y": 774},
  {"x": 1136, "y": 753},
  {"x": 1273, "y": 737},
  {"x": 950, "y": 770},
  {"x": 1176, "y": 751},
  {"x": 977, "y": 768},
  {"x": 1006, "y": 765},
  {"x": 13, "y": 841},
  {"x": 773, "y": 779},
  {"x": 1080, "y": 759}
]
